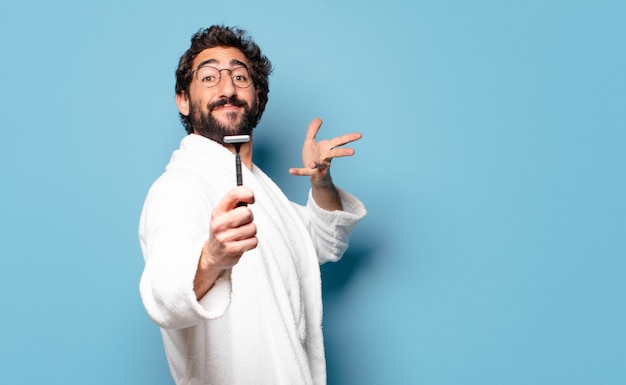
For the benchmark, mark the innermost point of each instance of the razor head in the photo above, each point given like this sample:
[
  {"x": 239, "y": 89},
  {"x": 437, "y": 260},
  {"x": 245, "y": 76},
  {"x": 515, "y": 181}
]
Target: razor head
[{"x": 232, "y": 139}]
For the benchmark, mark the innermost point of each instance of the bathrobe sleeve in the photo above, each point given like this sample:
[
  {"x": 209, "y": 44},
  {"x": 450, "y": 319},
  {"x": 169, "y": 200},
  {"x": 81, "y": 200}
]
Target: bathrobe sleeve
[
  {"x": 173, "y": 227},
  {"x": 330, "y": 230}
]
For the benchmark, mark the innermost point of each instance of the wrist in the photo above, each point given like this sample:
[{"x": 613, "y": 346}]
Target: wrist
[
  {"x": 207, "y": 273},
  {"x": 323, "y": 182},
  {"x": 326, "y": 196}
]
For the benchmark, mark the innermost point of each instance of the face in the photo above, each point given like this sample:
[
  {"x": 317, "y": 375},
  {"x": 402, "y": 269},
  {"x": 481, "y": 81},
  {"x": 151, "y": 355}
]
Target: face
[{"x": 223, "y": 109}]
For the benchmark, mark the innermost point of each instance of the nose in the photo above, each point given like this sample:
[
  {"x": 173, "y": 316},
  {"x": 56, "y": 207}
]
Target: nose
[{"x": 225, "y": 87}]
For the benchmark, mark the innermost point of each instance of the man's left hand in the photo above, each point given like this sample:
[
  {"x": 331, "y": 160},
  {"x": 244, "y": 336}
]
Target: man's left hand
[{"x": 316, "y": 156}]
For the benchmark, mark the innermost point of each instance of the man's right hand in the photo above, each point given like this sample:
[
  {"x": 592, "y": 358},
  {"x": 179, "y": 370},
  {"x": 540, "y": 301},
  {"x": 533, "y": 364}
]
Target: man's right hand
[{"x": 231, "y": 234}]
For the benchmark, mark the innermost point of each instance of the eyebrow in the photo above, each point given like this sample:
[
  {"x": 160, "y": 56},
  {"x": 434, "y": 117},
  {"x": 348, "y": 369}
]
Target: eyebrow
[{"x": 233, "y": 63}]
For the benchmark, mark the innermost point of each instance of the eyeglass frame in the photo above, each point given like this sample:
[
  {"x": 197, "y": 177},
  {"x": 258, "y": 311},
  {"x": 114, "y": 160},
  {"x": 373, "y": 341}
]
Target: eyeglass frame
[{"x": 194, "y": 73}]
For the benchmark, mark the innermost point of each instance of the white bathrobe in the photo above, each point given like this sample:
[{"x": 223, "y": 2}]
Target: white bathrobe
[{"x": 261, "y": 321}]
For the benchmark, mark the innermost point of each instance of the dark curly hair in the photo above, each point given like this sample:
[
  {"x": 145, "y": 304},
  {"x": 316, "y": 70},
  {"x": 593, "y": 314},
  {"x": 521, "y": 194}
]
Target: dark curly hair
[{"x": 222, "y": 36}]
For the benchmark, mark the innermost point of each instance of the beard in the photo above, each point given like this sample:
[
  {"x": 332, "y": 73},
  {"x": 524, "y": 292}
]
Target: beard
[{"x": 206, "y": 125}]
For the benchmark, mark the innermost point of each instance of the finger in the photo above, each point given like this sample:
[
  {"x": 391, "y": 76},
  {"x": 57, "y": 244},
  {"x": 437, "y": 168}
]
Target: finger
[
  {"x": 236, "y": 234},
  {"x": 320, "y": 164},
  {"x": 313, "y": 169},
  {"x": 247, "y": 231},
  {"x": 233, "y": 243},
  {"x": 301, "y": 171},
  {"x": 226, "y": 226},
  {"x": 313, "y": 129},
  {"x": 241, "y": 246},
  {"x": 338, "y": 152},
  {"x": 227, "y": 236},
  {"x": 230, "y": 200},
  {"x": 345, "y": 139}
]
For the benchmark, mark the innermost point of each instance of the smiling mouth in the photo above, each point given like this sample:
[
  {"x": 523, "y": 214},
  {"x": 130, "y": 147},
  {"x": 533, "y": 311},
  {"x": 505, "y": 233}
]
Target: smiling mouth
[{"x": 227, "y": 107}]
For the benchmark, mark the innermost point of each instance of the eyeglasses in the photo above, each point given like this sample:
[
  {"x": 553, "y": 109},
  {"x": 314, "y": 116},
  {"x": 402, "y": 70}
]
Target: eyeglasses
[{"x": 209, "y": 76}]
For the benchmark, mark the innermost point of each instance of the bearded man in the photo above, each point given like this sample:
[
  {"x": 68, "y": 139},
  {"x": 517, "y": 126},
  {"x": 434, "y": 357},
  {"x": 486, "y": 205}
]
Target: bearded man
[{"x": 236, "y": 288}]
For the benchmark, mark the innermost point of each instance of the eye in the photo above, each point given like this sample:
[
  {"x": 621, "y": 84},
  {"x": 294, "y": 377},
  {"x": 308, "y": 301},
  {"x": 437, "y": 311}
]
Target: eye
[
  {"x": 208, "y": 76},
  {"x": 240, "y": 75}
]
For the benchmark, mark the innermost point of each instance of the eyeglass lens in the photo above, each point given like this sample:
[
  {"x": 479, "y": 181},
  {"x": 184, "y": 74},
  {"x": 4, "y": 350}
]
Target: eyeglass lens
[{"x": 210, "y": 76}]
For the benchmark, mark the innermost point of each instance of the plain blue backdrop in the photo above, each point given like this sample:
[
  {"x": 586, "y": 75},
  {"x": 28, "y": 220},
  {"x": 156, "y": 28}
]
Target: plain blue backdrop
[{"x": 492, "y": 166}]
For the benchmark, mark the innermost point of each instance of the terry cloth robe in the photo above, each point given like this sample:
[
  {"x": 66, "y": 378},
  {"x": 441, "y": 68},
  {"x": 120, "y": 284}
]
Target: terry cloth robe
[{"x": 261, "y": 321}]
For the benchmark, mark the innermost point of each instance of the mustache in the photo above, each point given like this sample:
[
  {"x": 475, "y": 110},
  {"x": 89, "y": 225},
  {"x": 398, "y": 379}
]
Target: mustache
[{"x": 233, "y": 100}]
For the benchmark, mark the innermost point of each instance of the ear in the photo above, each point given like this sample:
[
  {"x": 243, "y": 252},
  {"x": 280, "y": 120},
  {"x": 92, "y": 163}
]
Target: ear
[{"x": 182, "y": 101}]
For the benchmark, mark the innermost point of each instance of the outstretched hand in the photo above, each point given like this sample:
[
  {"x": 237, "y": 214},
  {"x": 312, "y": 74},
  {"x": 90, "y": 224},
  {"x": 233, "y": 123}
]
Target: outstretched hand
[{"x": 316, "y": 156}]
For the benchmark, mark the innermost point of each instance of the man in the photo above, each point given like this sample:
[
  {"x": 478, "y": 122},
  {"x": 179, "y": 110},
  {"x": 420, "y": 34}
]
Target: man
[{"x": 236, "y": 288}]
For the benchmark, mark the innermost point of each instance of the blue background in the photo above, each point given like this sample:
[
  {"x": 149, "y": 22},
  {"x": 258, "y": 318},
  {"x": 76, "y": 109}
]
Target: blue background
[{"x": 492, "y": 166}]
